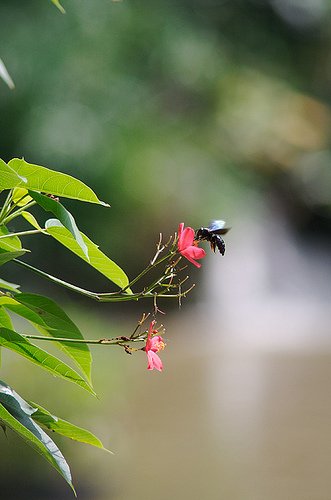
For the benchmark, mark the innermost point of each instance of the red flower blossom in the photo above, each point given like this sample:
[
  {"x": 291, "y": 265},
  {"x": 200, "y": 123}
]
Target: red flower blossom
[
  {"x": 154, "y": 344},
  {"x": 186, "y": 245}
]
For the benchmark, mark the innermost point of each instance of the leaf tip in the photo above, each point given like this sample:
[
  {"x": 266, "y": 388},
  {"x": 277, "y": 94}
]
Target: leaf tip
[
  {"x": 59, "y": 6},
  {"x": 73, "y": 489}
]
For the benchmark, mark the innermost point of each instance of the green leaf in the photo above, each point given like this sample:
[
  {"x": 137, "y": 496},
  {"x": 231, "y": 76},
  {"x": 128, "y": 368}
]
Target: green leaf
[
  {"x": 5, "y": 320},
  {"x": 59, "y": 6},
  {"x": 10, "y": 247},
  {"x": 42, "y": 311},
  {"x": 48, "y": 181},
  {"x": 31, "y": 220},
  {"x": 7, "y": 256},
  {"x": 5, "y": 75},
  {"x": 19, "y": 344},
  {"x": 16, "y": 414},
  {"x": 21, "y": 197},
  {"x": 65, "y": 428},
  {"x": 64, "y": 217},
  {"x": 10, "y": 243},
  {"x": 98, "y": 260},
  {"x": 13, "y": 401},
  {"x": 12, "y": 304},
  {"x": 12, "y": 287},
  {"x": 9, "y": 178}
]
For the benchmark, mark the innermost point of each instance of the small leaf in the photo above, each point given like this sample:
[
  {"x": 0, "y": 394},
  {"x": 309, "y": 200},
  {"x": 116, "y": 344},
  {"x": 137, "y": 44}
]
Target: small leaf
[
  {"x": 19, "y": 344},
  {"x": 64, "y": 217},
  {"x": 98, "y": 260},
  {"x": 21, "y": 197},
  {"x": 31, "y": 220},
  {"x": 16, "y": 414},
  {"x": 5, "y": 75},
  {"x": 10, "y": 243},
  {"x": 42, "y": 311},
  {"x": 10, "y": 247},
  {"x": 65, "y": 428},
  {"x": 48, "y": 181}
]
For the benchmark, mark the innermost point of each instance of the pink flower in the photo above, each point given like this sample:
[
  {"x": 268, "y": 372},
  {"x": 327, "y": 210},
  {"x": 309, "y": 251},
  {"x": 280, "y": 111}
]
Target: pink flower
[
  {"x": 154, "y": 344},
  {"x": 187, "y": 247}
]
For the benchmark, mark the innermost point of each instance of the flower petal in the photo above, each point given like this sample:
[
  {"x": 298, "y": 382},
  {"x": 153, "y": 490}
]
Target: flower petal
[
  {"x": 196, "y": 252},
  {"x": 154, "y": 361},
  {"x": 186, "y": 238},
  {"x": 191, "y": 253},
  {"x": 188, "y": 257}
]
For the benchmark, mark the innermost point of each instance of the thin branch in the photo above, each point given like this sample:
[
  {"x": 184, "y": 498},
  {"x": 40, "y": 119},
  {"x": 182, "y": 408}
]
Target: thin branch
[
  {"x": 6, "y": 206},
  {"x": 101, "y": 297},
  {"x": 112, "y": 341},
  {"x": 18, "y": 212},
  {"x": 23, "y": 233}
]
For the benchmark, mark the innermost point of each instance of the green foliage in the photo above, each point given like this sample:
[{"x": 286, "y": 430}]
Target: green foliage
[
  {"x": 97, "y": 259},
  {"x": 5, "y": 320},
  {"x": 6, "y": 255},
  {"x": 18, "y": 415},
  {"x": 50, "y": 319},
  {"x": 25, "y": 184},
  {"x": 65, "y": 428},
  {"x": 5, "y": 285},
  {"x": 9, "y": 178},
  {"x": 41, "y": 179},
  {"x": 21, "y": 345},
  {"x": 25, "y": 187},
  {"x": 10, "y": 243},
  {"x": 28, "y": 191},
  {"x": 64, "y": 217}
]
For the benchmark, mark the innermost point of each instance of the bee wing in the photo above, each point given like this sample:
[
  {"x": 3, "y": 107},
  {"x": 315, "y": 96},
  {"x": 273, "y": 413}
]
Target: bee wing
[{"x": 218, "y": 227}]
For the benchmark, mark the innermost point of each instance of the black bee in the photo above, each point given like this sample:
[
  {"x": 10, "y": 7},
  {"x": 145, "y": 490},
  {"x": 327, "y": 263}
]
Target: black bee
[{"x": 212, "y": 233}]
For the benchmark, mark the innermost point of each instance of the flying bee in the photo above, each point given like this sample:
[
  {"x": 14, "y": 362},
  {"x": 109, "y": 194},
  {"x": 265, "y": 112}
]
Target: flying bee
[{"x": 212, "y": 233}]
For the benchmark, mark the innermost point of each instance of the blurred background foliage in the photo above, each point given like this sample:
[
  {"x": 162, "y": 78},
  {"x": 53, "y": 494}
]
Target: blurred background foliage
[{"x": 171, "y": 111}]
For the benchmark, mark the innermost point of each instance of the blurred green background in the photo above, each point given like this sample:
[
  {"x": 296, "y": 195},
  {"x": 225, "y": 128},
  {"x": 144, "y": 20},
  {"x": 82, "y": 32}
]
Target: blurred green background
[{"x": 184, "y": 111}]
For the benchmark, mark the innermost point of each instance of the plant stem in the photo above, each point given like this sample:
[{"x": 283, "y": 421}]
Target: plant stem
[
  {"x": 23, "y": 233},
  {"x": 56, "y": 280},
  {"x": 107, "y": 296},
  {"x": 148, "y": 268},
  {"x": 112, "y": 341},
  {"x": 6, "y": 206},
  {"x": 18, "y": 212}
]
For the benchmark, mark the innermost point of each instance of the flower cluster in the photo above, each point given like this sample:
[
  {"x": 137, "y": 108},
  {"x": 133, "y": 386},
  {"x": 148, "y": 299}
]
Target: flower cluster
[
  {"x": 188, "y": 248},
  {"x": 154, "y": 344}
]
